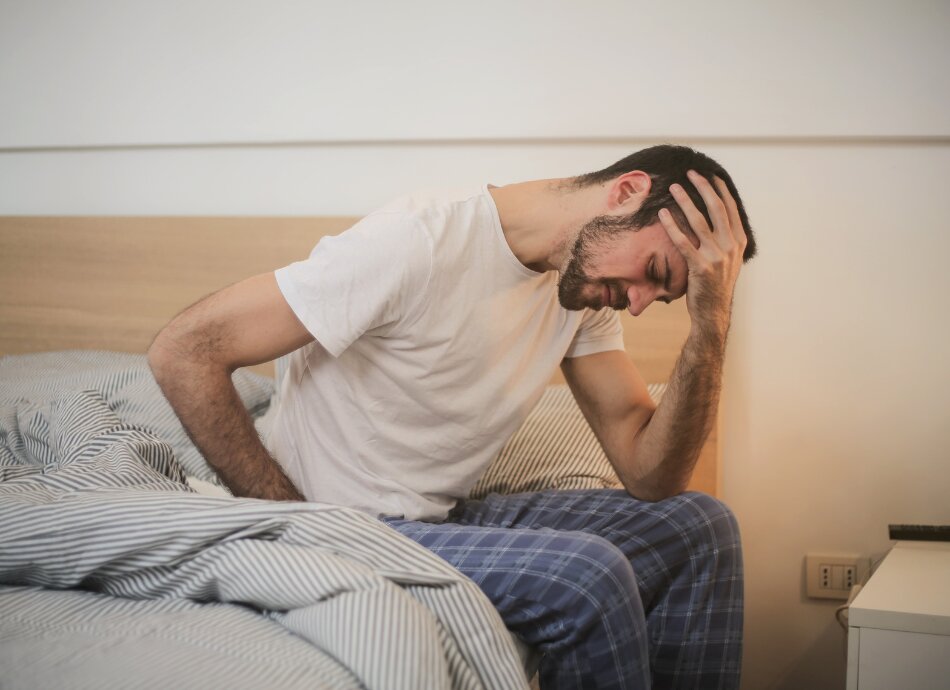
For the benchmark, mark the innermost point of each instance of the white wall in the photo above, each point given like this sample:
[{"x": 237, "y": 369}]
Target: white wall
[
  {"x": 93, "y": 72},
  {"x": 837, "y": 397},
  {"x": 836, "y": 412}
]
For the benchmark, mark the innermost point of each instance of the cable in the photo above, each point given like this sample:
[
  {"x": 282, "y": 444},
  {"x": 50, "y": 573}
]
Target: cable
[{"x": 842, "y": 611}]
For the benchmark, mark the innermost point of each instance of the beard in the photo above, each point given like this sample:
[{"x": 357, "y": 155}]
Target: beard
[{"x": 591, "y": 240}]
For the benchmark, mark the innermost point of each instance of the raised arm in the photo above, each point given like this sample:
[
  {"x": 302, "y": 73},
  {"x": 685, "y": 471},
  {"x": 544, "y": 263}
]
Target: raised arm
[
  {"x": 193, "y": 358},
  {"x": 654, "y": 451}
]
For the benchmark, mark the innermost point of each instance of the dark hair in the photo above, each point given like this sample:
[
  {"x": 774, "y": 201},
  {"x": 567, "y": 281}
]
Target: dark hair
[{"x": 667, "y": 164}]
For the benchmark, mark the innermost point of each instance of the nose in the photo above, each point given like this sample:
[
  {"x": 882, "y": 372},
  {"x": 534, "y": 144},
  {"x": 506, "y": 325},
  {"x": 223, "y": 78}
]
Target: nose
[{"x": 640, "y": 298}]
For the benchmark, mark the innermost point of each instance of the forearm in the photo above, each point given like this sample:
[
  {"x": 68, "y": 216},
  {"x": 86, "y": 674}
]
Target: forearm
[
  {"x": 210, "y": 409},
  {"x": 668, "y": 446},
  {"x": 665, "y": 448}
]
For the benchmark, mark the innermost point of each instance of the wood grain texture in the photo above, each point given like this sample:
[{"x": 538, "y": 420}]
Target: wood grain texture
[{"x": 111, "y": 284}]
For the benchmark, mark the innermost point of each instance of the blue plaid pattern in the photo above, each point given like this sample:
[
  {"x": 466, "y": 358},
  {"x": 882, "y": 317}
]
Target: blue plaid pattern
[{"x": 615, "y": 592}]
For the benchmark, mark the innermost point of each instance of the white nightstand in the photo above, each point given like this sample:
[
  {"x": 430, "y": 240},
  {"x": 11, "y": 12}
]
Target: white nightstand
[{"x": 899, "y": 624}]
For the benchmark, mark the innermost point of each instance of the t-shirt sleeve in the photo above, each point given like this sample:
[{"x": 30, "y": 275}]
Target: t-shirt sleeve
[
  {"x": 599, "y": 331},
  {"x": 366, "y": 278}
]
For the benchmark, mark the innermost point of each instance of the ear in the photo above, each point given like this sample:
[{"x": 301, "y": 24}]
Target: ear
[{"x": 628, "y": 191}]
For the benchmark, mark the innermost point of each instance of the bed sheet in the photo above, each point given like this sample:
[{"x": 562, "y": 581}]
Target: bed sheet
[{"x": 114, "y": 572}]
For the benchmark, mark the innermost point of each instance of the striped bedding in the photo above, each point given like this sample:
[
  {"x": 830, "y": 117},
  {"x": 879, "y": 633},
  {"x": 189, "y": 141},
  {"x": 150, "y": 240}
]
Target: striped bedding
[
  {"x": 554, "y": 448},
  {"x": 114, "y": 573}
]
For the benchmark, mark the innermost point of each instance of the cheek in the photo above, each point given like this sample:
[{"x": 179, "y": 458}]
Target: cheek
[{"x": 615, "y": 261}]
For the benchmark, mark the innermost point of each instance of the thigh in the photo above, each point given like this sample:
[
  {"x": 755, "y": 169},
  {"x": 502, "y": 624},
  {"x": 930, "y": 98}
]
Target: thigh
[
  {"x": 656, "y": 537},
  {"x": 533, "y": 576},
  {"x": 595, "y": 510},
  {"x": 573, "y": 596},
  {"x": 499, "y": 555},
  {"x": 603, "y": 512}
]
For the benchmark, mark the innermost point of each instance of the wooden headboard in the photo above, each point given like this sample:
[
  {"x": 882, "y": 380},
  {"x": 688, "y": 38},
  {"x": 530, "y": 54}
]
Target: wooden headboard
[{"x": 112, "y": 283}]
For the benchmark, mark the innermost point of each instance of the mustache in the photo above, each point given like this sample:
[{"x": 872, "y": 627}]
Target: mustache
[
  {"x": 571, "y": 289},
  {"x": 622, "y": 302}
]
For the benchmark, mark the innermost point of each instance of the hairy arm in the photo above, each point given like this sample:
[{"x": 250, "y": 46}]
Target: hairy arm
[
  {"x": 654, "y": 449},
  {"x": 667, "y": 447},
  {"x": 193, "y": 359}
]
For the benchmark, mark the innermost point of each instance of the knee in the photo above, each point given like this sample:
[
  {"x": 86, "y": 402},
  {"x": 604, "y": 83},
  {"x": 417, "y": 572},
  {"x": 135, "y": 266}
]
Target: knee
[
  {"x": 708, "y": 519},
  {"x": 599, "y": 571},
  {"x": 581, "y": 586},
  {"x": 704, "y": 532}
]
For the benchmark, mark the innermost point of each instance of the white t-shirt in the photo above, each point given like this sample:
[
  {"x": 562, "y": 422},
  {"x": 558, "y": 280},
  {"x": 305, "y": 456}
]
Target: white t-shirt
[{"x": 433, "y": 342}]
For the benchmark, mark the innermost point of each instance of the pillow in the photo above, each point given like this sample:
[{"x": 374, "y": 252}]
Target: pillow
[{"x": 554, "y": 448}]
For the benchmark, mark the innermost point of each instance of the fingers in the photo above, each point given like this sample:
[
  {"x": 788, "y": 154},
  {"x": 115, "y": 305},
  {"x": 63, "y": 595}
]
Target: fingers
[
  {"x": 696, "y": 220},
  {"x": 722, "y": 209},
  {"x": 714, "y": 205},
  {"x": 732, "y": 209},
  {"x": 727, "y": 234},
  {"x": 678, "y": 237}
]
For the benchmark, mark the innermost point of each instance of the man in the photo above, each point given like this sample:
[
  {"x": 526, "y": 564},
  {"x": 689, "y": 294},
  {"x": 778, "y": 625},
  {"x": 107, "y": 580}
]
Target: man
[{"x": 423, "y": 336}]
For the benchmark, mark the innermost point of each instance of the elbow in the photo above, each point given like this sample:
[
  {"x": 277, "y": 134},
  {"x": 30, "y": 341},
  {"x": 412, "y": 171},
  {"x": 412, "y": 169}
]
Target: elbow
[
  {"x": 160, "y": 356},
  {"x": 654, "y": 489},
  {"x": 652, "y": 495},
  {"x": 653, "y": 478},
  {"x": 182, "y": 347},
  {"x": 174, "y": 347}
]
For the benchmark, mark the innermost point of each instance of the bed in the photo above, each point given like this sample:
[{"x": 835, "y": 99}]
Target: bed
[{"x": 122, "y": 558}]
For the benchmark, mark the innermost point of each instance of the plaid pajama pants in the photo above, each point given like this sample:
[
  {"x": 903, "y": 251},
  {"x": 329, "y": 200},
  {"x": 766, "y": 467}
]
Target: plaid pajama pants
[{"x": 615, "y": 592}]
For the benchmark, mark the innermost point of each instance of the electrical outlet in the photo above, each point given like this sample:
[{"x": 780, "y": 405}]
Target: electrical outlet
[{"x": 832, "y": 575}]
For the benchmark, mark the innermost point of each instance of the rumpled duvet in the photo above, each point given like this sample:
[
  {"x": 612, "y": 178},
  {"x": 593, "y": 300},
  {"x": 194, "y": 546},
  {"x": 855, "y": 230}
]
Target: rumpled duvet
[{"x": 113, "y": 573}]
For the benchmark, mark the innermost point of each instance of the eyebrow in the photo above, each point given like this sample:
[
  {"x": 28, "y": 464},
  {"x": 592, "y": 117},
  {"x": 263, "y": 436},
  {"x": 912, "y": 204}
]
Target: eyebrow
[{"x": 666, "y": 278}]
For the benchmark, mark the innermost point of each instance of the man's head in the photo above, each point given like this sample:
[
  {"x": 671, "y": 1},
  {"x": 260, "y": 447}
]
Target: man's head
[{"x": 625, "y": 259}]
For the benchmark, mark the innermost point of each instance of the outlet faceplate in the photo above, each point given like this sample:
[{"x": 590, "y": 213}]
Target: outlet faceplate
[{"x": 832, "y": 575}]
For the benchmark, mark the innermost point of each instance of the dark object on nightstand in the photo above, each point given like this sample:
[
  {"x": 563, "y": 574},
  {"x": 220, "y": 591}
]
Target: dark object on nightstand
[{"x": 919, "y": 532}]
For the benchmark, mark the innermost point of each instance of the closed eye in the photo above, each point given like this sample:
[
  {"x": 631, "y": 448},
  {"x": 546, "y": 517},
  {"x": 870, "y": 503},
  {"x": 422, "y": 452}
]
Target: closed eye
[{"x": 665, "y": 280}]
